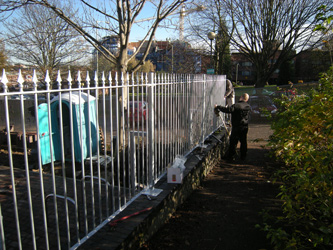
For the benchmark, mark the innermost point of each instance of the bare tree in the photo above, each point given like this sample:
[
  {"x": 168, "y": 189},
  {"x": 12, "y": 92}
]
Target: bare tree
[
  {"x": 212, "y": 19},
  {"x": 39, "y": 37},
  {"x": 268, "y": 32},
  {"x": 3, "y": 56}
]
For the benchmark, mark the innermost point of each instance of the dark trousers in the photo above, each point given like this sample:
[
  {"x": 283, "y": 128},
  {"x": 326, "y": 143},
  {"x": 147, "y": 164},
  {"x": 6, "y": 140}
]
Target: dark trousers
[{"x": 238, "y": 134}]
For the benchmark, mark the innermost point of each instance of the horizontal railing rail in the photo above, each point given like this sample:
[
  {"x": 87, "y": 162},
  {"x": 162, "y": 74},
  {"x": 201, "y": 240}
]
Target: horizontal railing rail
[{"x": 77, "y": 152}]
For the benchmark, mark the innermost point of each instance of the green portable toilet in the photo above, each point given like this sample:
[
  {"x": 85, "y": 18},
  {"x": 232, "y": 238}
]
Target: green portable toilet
[{"x": 85, "y": 115}]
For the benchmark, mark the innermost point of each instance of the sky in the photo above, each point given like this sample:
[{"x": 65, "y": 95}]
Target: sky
[
  {"x": 161, "y": 34},
  {"x": 140, "y": 28}
]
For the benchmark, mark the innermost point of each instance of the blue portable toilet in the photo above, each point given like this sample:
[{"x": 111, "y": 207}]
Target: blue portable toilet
[{"x": 80, "y": 145}]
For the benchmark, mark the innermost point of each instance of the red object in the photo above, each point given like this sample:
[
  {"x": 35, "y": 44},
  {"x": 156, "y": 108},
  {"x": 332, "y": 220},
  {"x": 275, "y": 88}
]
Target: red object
[
  {"x": 138, "y": 111},
  {"x": 114, "y": 223}
]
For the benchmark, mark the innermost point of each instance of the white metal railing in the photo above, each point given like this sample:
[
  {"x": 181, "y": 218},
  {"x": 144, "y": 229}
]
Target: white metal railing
[{"x": 74, "y": 156}]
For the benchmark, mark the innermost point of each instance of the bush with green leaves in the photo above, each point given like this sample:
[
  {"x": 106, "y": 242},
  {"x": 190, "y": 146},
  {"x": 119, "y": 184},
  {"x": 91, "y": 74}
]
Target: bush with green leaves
[{"x": 303, "y": 142}]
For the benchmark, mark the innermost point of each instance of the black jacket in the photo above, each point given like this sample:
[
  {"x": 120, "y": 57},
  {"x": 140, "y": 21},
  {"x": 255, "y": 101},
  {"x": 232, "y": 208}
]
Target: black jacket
[{"x": 239, "y": 113}]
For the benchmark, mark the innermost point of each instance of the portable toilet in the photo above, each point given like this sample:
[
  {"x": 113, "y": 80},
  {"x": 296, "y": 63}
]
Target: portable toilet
[{"x": 85, "y": 115}]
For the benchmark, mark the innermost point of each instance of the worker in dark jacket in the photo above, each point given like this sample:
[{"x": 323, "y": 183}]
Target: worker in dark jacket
[{"x": 239, "y": 121}]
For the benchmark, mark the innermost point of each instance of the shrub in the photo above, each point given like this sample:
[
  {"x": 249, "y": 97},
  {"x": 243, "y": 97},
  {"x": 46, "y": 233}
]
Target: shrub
[{"x": 303, "y": 142}]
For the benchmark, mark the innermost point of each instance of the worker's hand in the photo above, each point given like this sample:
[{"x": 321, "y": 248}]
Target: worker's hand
[{"x": 216, "y": 111}]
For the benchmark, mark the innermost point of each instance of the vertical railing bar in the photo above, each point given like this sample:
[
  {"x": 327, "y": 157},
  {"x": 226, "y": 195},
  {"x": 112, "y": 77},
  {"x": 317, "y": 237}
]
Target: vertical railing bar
[
  {"x": 179, "y": 94},
  {"x": 162, "y": 123},
  {"x": 20, "y": 81},
  {"x": 192, "y": 97},
  {"x": 2, "y": 232},
  {"x": 128, "y": 77},
  {"x": 161, "y": 160},
  {"x": 151, "y": 138},
  {"x": 196, "y": 111},
  {"x": 73, "y": 151},
  {"x": 173, "y": 115},
  {"x": 183, "y": 111},
  {"x": 40, "y": 163},
  {"x": 133, "y": 173},
  {"x": 63, "y": 164},
  {"x": 135, "y": 93},
  {"x": 76, "y": 205},
  {"x": 176, "y": 84},
  {"x": 168, "y": 111},
  {"x": 124, "y": 83},
  {"x": 179, "y": 85},
  {"x": 199, "y": 116},
  {"x": 78, "y": 222},
  {"x": 97, "y": 145},
  {"x": 159, "y": 96},
  {"x": 83, "y": 183},
  {"x": 203, "y": 114},
  {"x": 173, "y": 120},
  {"x": 111, "y": 141},
  {"x": 144, "y": 129},
  {"x": 180, "y": 106},
  {"x": 157, "y": 125},
  {"x": 197, "y": 105},
  {"x": 131, "y": 141},
  {"x": 181, "y": 127},
  {"x": 47, "y": 80},
  {"x": 105, "y": 146},
  {"x": 186, "y": 114},
  {"x": 130, "y": 85},
  {"x": 189, "y": 87},
  {"x": 147, "y": 152},
  {"x": 155, "y": 128},
  {"x": 177, "y": 80},
  {"x": 168, "y": 117},
  {"x": 138, "y": 170},
  {"x": 134, "y": 116},
  {"x": 131, "y": 150},
  {"x": 142, "y": 168},
  {"x": 165, "y": 116},
  {"x": 175, "y": 104},
  {"x": 91, "y": 161},
  {"x": 118, "y": 140},
  {"x": 141, "y": 159},
  {"x": 10, "y": 156}
]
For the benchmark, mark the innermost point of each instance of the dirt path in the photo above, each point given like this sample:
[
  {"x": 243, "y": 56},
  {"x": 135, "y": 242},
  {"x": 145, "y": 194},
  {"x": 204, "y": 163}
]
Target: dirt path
[{"x": 223, "y": 212}]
